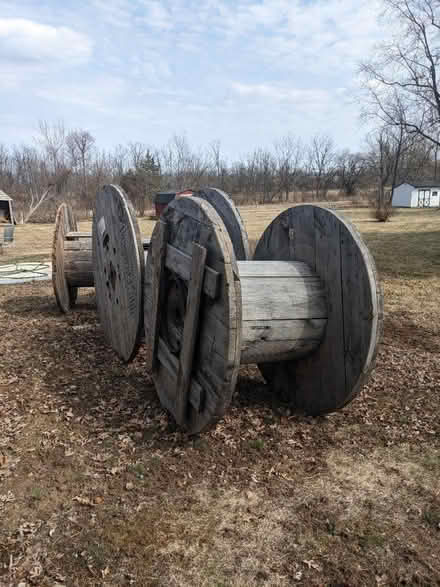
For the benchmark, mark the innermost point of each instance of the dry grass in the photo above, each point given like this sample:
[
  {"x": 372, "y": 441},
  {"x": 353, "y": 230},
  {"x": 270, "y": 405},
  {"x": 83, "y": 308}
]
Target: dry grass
[{"x": 97, "y": 487}]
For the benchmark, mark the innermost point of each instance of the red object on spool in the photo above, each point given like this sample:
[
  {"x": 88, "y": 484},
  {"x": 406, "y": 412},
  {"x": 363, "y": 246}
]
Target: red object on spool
[{"x": 162, "y": 199}]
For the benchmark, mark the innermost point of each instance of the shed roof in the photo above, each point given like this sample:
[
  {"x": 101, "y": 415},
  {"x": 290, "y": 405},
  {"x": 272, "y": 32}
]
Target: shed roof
[
  {"x": 4, "y": 196},
  {"x": 422, "y": 183}
]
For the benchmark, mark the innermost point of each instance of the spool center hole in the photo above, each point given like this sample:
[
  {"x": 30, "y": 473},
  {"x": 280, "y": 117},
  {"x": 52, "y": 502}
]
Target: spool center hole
[{"x": 112, "y": 275}]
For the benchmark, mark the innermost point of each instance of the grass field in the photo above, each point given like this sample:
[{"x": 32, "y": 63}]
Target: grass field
[{"x": 98, "y": 487}]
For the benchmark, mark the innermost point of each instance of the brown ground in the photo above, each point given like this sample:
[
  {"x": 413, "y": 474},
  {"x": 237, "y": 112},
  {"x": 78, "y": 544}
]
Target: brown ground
[{"x": 97, "y": 487}]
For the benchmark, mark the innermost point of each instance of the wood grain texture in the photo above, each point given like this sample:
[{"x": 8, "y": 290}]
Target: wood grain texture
[
  {"x": 78, "y": 265},
  {"x": 284, "y": 308},
  {"x": 333, "y": 374},
  {"x": 217, "y": 352},
  {"x": 79, "y": 235},
  {"x": 154, "y": 309},
  {"x": 190, "y": 331},
  {"x": 231, "y": 218},
  {"x": 65, "y": 294},
  {"x": 118, "y": 266}
]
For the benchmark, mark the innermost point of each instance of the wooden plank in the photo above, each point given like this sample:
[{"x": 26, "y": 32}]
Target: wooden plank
[
  {"x": 78, "y": 245},
  {"x": 180, "y": 263},
  {"x": 157, "y": 257},
  {"x": 171, "y": 364},
  {"x": 279, "y": 340},
  {"x": 190, "y": 331},
  {"x": 283, "y": 298},
  {"x": 75, "y": 235},
  {"x": 274, "y": 269}
]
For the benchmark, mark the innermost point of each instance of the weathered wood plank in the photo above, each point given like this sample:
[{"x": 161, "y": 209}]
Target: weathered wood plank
[
  {"x": 283, "y": 298},
  {"x": 274, "y": 268},
  {"x": 78, "y": 245},
  {"x": 76, "y": 235},
  {"x": 180, "y": 263},
  {"x": 190, "y": 331},
  {"x": 157, "y": 257},
  {"x": 279, "y": 340}
]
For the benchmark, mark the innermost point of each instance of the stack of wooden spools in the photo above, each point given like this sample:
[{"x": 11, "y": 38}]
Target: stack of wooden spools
[{"x": 307, "y": 309}]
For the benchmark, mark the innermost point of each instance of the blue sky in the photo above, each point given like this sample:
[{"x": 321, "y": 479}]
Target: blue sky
[{"x": 244, "y": 72}]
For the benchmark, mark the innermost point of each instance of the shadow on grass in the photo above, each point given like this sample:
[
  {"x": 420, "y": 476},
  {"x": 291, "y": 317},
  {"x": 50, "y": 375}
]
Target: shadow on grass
[{"x": 407, "y": 255}]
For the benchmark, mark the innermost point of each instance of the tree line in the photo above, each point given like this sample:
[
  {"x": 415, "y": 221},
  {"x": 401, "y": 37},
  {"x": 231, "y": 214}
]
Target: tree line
[
  {"x": 400, "y": 95},
  {"x": 68, "y": 166}
]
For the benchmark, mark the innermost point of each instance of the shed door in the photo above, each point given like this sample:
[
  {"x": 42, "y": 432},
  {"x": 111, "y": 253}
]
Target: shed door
[
  {"x": 435, "y": 200},
  {"x": 424, "y": 199}
]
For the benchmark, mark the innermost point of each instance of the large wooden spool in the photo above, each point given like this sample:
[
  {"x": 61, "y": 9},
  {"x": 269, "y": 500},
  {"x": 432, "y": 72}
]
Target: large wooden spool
[
  {"x": 118, "y": 264},
  {"x": 308, "y": 310},
  {"x": 71, "y": 259}
]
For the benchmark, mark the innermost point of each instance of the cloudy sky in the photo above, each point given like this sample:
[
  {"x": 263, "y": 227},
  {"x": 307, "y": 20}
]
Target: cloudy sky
[{"x": 245, "y": 72}]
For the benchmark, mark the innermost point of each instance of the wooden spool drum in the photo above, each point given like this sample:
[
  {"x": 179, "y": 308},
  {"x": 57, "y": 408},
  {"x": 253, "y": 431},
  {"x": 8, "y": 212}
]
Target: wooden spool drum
[
  {"x": 118, "y": 264},
  {"x": 308, "y": 310},
  {"x": 71, "y": 259}
]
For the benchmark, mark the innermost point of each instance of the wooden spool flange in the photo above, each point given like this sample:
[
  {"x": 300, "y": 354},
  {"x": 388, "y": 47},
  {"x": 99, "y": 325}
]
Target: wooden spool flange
[
  {"x": 71, "y": 259},
  {"x": 119, "y": 311},
  {"x": 330, "y": 245},
  {"x": 118, "y": 266},
  {"x": 209, "y": 313},
  {"x": 192, "y": 312},
  {"x": 232, "y": 220}
]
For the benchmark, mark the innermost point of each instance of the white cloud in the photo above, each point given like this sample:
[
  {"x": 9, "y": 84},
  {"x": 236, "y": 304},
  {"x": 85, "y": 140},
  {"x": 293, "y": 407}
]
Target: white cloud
[
  {"x": 103, "y": 94},
  {"x": 279, "y": 93},
  {"x": 26, "y": 41},
  {"x": 157, "y": 15}
]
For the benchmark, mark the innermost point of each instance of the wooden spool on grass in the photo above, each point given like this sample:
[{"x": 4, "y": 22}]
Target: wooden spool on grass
[
  {"x": 72, "y": 264},
  {"x": 71, "y": 259},
  {"x": 118, "y": 263},
  {"x": 308, "y": 310}
]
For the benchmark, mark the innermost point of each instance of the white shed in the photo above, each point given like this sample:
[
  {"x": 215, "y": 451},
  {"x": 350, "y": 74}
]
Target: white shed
[
  {"x": 7, "y": 221},
  {"x": 420, "y": 194}
]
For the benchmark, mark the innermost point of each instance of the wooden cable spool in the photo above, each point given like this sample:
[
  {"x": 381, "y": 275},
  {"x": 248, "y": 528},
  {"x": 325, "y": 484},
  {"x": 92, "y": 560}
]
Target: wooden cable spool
[
  {"x": 71, "y": 259},
  {"x": 72, "y": 263},
  {"x": 308, "y": 310},
  {"x": 118, "y": 263}
]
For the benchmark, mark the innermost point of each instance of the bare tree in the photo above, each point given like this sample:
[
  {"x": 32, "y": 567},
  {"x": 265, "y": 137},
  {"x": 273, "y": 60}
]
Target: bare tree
[
  {"x": 350, "y": 169},
  {"x": 34, "y": 179},
  {"x": 289, "y": 152},
  {"x": 387, "y": 147},
  {"x": 401, "y": 78},
  {"x": 181, "y": 166},
  {"x": 80, "y": 144},
  {"x": 220, "y": 170},
  {"x": 52, "y": 139},
  {"x": 322, "y": 164}
]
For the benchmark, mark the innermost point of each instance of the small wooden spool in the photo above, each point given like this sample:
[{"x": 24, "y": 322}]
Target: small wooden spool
[
  {"x": 71, "y": 259},
  {"x": 308, "y": 311},
  {"x": 116, "y": 246}
]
